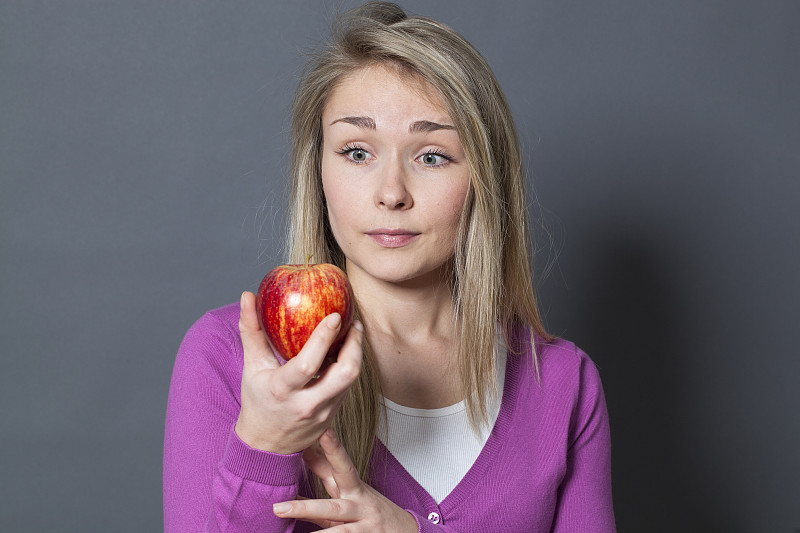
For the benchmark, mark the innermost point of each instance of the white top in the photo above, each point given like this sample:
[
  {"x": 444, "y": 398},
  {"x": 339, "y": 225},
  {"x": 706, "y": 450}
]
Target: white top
[{"x": 438, "y": 446}]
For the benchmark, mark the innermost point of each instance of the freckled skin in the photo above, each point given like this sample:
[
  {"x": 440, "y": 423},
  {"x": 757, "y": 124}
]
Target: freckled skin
[{"x": 293, "y": 299}]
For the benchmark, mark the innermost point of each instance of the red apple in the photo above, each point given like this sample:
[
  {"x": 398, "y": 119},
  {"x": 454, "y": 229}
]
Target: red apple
[{"x": 293, "y": 299}]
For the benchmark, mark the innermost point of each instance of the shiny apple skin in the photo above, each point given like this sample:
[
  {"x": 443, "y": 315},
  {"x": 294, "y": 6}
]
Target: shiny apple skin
[{"x": 293, "y": 299}]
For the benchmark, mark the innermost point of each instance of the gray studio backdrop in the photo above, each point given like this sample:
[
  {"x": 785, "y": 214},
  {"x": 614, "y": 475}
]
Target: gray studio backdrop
[{"x": 143, "y": 154}]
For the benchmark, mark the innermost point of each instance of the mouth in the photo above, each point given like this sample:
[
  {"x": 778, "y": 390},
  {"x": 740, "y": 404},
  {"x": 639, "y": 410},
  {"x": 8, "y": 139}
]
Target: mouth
[{"x": 392, "y": 238}]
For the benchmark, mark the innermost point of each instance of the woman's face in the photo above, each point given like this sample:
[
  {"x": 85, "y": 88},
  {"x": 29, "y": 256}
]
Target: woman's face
[{"x": 394, "y": 175}]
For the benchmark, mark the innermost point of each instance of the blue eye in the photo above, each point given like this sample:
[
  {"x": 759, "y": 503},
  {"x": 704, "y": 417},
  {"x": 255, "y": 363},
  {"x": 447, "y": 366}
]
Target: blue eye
[
  {"x": 431, "y": 159},
  {"x": 354, "y": 154},
  {"x": 434, "y": 159},
  {"x": 358, "y": 155}
]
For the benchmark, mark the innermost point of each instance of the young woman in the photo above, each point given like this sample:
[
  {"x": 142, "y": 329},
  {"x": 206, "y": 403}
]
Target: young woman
[{"x": 449, "y": 408}]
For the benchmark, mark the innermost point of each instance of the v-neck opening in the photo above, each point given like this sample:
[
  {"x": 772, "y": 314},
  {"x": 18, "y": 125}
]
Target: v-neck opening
[{"x": 490, "y": 449}]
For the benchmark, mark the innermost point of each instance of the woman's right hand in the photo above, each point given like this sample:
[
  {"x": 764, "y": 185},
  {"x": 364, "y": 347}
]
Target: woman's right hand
[{"x": 284, "y": 408}]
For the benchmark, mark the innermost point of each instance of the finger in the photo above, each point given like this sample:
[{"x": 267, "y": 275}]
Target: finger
[
  {"x": 318, "y": 510},
  {"x": 255, "y": 345},
  {"x": 340, "y": 375},
  {"x": 344, "y": 472},
  {"x": 304, "y": 366},
  {"x": 324, "y": 524},
  {"x": 316, "y": 461},
  {"x": 340, "y": 528}
]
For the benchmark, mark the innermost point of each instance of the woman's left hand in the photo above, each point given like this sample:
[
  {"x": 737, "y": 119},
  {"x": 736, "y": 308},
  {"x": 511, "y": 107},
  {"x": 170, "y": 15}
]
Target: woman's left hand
[{"x": 354, "y": 506}]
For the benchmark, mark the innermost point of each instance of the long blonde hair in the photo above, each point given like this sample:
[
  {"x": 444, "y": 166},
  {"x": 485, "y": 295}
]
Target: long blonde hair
[{"x": 492, "y": 267}]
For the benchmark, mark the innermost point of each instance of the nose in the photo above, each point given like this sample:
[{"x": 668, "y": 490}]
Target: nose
[{"x": 392, "y": 191}]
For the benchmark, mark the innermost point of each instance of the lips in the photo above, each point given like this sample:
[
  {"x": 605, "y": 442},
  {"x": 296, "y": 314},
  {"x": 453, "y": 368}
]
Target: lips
[{"x": 392, "y": 238}]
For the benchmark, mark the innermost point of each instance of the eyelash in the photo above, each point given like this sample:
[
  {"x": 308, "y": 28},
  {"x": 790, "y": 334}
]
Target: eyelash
[
  {"x": 347, "y": 149},
  {"x": 351, "y": 148},
  {"x": 438, "y": 152}
]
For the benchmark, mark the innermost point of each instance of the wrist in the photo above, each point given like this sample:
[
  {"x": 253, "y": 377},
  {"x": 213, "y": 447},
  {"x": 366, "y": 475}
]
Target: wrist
[{"x": 253, "y": 438}]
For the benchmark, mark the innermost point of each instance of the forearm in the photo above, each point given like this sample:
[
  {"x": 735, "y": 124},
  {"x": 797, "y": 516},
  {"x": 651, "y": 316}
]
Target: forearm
[
  {"x": 231, "y": 492},
  {"x": 246, "y": 485},
  {"x": 212, "y": 480}
]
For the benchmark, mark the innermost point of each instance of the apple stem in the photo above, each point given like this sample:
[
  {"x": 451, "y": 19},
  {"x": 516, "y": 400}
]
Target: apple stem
[{"x": 308, "y": 258}]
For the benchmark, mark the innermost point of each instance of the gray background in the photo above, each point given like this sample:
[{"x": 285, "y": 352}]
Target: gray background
[{"x": 142, "y": 157}]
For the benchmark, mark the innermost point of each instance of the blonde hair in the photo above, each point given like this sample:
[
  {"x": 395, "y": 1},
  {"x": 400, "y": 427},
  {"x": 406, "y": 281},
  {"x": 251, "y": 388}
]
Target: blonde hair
[{"x": 492, "y": 267}]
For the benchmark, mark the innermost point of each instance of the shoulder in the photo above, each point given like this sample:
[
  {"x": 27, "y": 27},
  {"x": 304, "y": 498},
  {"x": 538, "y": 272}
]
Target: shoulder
[
  {"x": 556, "y": 363},
  {"x": 215, "y": 326},
  {"x": 212, "y": 347},
  {"x": 226, "y": 316},
  {"x": 562, "y": 355}
]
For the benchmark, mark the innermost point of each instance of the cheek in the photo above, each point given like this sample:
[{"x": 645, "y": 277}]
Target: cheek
[
  {"x": 331, "y": 205},
  {"x": 449, "y": 210},
  {"x": 453, "y": 203},
  {"x": 337, "y": 201}
]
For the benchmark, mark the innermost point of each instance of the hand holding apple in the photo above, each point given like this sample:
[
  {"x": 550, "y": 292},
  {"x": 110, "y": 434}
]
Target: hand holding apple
[{"x": 284, "y": 409}]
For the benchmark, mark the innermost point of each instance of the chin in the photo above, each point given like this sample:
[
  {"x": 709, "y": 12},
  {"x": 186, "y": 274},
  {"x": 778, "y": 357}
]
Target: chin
[{"x": 400, "y": 272}]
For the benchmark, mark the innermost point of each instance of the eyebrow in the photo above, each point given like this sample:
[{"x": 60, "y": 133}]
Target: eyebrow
[
  {"x": 420, "y": 126},
  {"x": 360, "y": 122},
  {"x": 426, "y": 126}
]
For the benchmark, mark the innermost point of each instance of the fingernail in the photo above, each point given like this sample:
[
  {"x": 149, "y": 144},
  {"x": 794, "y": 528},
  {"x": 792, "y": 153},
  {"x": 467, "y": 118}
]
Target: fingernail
[
  {"x": 241, "y": 300},
  {"x": 281, "y": 508},
  {"x": 334, "y": 320},
  {"x": 359, "y": 326}
]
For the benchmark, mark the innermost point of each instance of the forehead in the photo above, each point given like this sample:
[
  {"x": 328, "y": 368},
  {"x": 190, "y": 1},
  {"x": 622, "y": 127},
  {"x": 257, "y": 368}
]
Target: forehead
[{"x": 369, "y": 85}]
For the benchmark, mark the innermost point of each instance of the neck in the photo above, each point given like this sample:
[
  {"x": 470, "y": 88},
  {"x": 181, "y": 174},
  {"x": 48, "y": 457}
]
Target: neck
[
  {"x": 412, "y": 310},
  {"x": 411, "y": 329}
]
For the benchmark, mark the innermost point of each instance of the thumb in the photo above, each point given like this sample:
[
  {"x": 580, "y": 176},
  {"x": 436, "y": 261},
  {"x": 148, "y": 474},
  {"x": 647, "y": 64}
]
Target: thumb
[{"x": 255, "y": 345}]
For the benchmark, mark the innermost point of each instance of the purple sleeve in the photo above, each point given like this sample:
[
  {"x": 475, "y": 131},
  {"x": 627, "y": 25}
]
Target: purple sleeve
[
  {"x": 213, "y": 481},
  {"x": 584, "y": 499}
]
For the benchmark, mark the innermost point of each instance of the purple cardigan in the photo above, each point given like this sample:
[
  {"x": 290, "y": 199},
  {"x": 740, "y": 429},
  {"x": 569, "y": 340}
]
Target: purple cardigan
[{"x": 545, "y": 468}]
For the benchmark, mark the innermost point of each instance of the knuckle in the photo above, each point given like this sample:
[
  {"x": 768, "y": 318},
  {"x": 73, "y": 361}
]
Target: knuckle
[
  {"x": 305, "y": 368},
  {"x": 324, "y": 416},
  {"x": 349, "y": 371},
  {"x": 335, "y": 508},
  {"x": 307, "y": 412},
  {"x": 278, "y": 391}
]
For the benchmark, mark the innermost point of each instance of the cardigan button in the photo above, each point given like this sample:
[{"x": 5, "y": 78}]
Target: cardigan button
[{"x": 434, "y": 517}]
